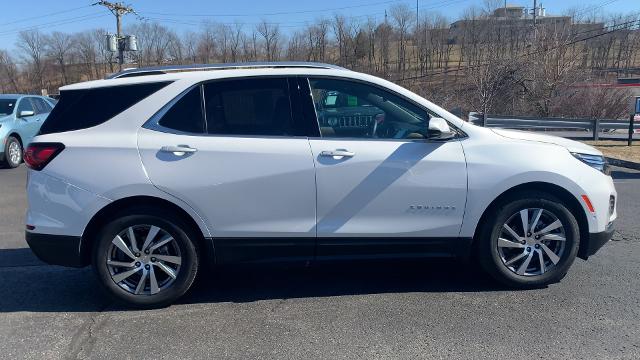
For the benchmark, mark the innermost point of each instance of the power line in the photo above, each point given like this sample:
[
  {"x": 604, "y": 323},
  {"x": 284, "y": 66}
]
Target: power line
[
  {"x": 45, "y": 15},
  {"x": 54, "y": 23},
  {"x": 281, "y": 23},
  {"x": 594, "y": 7},
  {"x": 630, "y": 25},
  {"x": 274, "y": 13},
  {"x": 177, "y": 20}
]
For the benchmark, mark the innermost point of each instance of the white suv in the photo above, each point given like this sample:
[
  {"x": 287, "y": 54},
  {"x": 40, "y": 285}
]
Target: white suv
[{"x": 154, "y": 172}]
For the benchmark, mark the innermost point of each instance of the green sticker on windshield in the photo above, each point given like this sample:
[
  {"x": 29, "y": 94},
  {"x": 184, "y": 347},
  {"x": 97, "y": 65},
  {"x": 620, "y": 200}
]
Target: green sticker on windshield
[{"x": 352, "y": 100}]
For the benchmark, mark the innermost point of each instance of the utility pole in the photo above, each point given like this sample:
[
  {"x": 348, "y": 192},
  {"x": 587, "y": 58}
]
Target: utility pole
[
  {"x": 535, "y": 28},
  {"x": 418, "y": 40},
  {"x": 118, "y": 9}
]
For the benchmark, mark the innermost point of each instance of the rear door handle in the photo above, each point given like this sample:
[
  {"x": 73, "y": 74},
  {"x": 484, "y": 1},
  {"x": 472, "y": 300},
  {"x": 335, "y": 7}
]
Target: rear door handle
[
  {"x": 338, "y": 153},
  {"x": 178, "y": 150}
]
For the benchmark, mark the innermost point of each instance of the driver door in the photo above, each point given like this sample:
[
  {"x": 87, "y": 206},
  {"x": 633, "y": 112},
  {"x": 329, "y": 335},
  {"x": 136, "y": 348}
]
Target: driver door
[
  {"x": 28, "y": 125},
  {"x": 380, "y": 181}
]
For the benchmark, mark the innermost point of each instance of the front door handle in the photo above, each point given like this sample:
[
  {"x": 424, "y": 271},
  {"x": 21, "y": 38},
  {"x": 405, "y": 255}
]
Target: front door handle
[
  {"x": 337, "y": 154},
  {"x": 179, "y": 150}
]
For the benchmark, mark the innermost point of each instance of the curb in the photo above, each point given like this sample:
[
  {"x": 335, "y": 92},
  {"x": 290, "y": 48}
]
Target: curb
[{"x": 623, "y": 163}]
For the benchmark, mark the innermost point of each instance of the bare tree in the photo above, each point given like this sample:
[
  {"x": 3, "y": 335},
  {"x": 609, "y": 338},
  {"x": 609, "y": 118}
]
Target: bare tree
[
  {"x": 86, "y": 50},
  {"x": 235, "y": 41},
  {"x": 403, "y": 18},
  {"x": 207, "y": 43},
  {"x": 340, "y": 31},
  {"x": 271, "y": 34},
  {"x": 33, "y": 45},
  {"x": 492, "y": 81},
  {"x": 9, "y": 71},
  {"x": 190, "y": 46},
  {"x": 59, "y": 45},
  {"x": 383, "y": 38}
]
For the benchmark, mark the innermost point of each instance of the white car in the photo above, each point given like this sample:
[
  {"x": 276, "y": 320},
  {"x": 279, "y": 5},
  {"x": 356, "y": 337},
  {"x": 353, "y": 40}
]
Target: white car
[{"x": 152, "y": 173}]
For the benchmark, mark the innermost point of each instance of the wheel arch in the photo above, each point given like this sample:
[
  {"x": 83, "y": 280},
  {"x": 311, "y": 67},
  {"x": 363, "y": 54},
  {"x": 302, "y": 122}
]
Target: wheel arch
[
  {"x": 112, "y": 209},
  {"x": 561, "y": 193},
  {"x": 17, "y": 136}
]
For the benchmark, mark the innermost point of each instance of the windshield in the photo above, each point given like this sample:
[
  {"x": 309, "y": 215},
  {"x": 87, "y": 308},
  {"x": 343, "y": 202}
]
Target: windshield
[{"x": 7, "y": 106}]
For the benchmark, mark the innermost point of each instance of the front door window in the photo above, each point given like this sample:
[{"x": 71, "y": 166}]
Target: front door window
[{"x": 349, "y": 109}]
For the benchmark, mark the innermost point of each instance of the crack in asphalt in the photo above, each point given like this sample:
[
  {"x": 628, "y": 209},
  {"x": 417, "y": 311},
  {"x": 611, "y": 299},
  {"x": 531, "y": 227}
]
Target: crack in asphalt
[{"x": 84, "y": 339}]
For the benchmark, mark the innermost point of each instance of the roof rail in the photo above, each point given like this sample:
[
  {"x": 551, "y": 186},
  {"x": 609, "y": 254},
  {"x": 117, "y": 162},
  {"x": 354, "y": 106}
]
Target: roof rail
[{"x": 157, "y": 70}]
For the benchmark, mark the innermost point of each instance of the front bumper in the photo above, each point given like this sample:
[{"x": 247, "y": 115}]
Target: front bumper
[
  {"x": 594, "y": 242},
  {"x": 56, "y": 249}
]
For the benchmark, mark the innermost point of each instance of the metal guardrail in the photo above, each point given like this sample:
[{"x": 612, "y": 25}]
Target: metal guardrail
[{"x": 596, "y": 126}]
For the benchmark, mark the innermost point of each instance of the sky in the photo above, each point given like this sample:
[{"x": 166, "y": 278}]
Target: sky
[{"x": 185, "y": 15}]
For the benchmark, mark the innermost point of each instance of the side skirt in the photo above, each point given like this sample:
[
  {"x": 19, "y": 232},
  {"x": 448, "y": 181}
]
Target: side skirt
[{"x": 257, "y": 250}]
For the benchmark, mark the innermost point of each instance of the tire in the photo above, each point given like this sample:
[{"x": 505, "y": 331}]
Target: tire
[
  {"x": 12, "y": 153},
  {"x": 500, "y": 259},
  {"x": 180, "y": 249}
]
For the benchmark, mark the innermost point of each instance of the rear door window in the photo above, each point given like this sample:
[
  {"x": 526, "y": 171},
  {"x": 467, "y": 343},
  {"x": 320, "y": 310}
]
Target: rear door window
[
  {"x": 43, "y": 106},
  {"x": 40, "y": 105},
  {"x": 81, "y": 109},
  {"x": 186, "y": 114},
  {"x": 250, "y": 107}
]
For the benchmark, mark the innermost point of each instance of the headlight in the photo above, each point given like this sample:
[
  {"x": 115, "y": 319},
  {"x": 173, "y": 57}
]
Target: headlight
[{"x": 595, "y": 161}]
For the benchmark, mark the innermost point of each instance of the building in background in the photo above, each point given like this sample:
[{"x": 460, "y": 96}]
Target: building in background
[{"x": 513, "y": 20}]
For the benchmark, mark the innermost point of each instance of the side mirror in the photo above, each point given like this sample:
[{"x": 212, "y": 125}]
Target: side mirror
[
  {"x": 26, "y": 113},
  {"x": 439, "y": 129}
]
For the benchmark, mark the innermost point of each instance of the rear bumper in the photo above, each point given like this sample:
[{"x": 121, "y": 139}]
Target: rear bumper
[
  {"x": 56, "y": 249},
  {"x": 595, "y": 241}
]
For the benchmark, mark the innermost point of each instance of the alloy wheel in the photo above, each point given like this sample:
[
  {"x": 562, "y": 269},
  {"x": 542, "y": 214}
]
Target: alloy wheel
[
  {"x": 15, "y": 153},
  {"x": 531, "y": 242},
  {"x": 144, "y": 259}
]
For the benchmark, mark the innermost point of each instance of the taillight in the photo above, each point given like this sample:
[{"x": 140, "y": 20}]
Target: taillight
[{"x": 38, "y": 155}]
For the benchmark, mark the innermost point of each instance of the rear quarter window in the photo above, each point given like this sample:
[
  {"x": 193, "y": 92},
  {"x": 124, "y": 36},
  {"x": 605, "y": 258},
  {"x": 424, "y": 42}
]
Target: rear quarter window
[{"x": 82, "y": 109}]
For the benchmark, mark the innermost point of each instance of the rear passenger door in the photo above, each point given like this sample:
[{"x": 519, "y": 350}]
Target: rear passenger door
[{"x": 236, "y": 151}]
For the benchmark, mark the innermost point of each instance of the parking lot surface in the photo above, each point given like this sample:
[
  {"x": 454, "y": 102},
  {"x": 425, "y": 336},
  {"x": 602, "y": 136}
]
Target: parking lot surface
[{"x": 374, "y": 310}]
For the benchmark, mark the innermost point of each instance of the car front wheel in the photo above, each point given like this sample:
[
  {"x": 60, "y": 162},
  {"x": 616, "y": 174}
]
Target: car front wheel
[
  {"x": 532, "y": 241},
  {"x": 145, "y": 259},
  {"x": 12, "y": 153}
]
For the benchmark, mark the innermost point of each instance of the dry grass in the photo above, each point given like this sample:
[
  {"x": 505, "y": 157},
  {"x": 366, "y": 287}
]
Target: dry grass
[{"x": 618, "y": 149}]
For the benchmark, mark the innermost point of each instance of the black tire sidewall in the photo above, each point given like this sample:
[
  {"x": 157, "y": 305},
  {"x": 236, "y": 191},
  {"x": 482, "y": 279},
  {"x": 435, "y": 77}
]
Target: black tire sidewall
[
  {"x": 7, "y": 160},
  {"x": 188, "y": 267},
  {"x": 490, "y": 257}
]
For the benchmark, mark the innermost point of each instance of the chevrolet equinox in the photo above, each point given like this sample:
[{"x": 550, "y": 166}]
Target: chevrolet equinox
[{"x": 152, "y": 173}]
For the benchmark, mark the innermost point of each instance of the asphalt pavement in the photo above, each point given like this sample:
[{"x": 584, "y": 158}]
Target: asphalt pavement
[{"x": 373, "y": 310}]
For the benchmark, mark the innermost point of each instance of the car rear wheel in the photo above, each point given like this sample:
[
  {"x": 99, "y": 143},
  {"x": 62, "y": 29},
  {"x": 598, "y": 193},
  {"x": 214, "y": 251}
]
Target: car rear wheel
[
  {"x": 145, "y": 259},
  {"x": 12, "y": 153},
  {"x": 532, "y": 241}
]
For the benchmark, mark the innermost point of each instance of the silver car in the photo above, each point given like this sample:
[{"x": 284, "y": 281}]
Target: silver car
[{"x": 20, "y": 119}]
